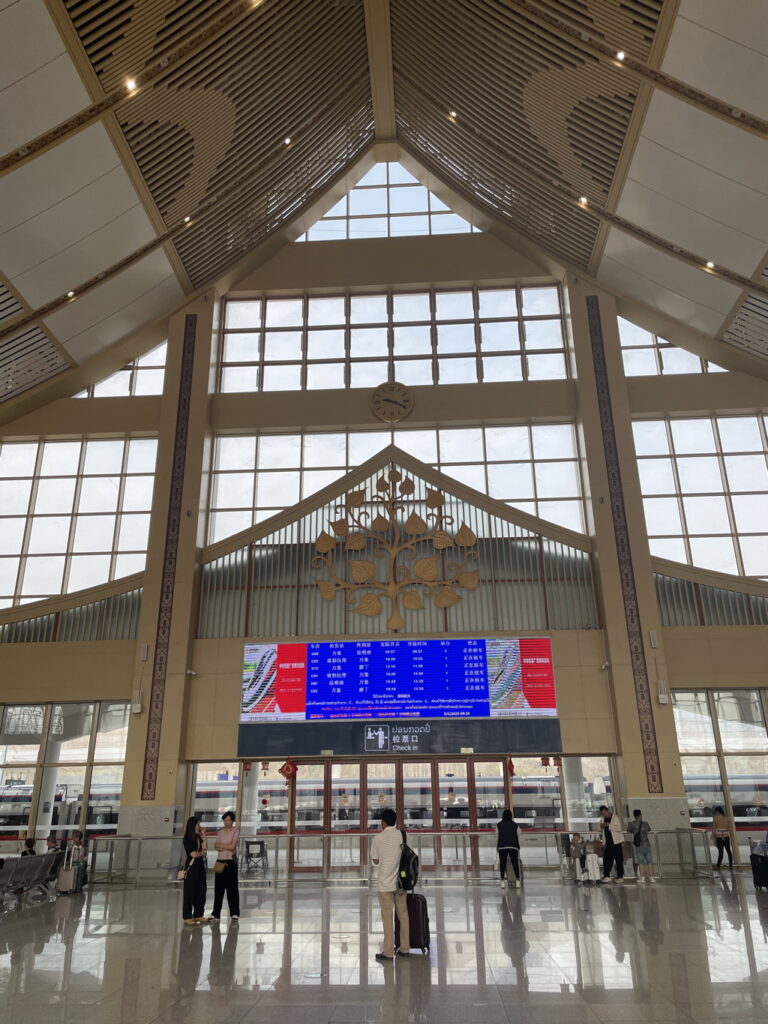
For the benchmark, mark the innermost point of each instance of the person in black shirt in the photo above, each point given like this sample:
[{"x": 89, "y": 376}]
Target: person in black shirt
[
  {"x": 508, "y": 845},
  {"x": 195, "y": 885}
]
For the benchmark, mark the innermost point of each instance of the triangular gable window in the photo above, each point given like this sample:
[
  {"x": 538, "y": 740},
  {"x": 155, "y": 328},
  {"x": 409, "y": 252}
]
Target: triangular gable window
[
  {"x": 142, "y": 376},
  {"x": 387, "y": 203}
]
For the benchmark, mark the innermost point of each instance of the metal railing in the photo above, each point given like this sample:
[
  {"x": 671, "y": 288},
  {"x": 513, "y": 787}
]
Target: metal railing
[{"x": 460, "y": 855}]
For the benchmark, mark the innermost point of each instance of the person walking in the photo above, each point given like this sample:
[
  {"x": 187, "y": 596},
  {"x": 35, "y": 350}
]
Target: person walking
[
  {"x": 386, "y": 849},
  {"x": 641, "y": 847},
  {"x": 613, "y": 853},
  {"x": 195, "y": 885},
  {"x": 508, "y": 846},
  {"x": 225, "y": 876},
  {"x": 721, "y": 833}
]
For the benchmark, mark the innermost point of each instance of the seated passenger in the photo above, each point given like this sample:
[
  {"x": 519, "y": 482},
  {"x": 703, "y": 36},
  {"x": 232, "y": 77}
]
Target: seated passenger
[{"x": 578, "y": 854}]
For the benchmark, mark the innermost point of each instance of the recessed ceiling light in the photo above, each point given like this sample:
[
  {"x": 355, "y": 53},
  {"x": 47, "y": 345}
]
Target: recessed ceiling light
[
  {"x": 452, "y": 113},
  {"x": 583, "y": 200},
  {"x": 70, "y": 295},
  {"x": 287, "y": 140},
  {"x": 187, "y": 220},
  {"x": 130, "y": 84},
  {"x": 710, "y": 265},
  {"x": 620, "y": 55}
]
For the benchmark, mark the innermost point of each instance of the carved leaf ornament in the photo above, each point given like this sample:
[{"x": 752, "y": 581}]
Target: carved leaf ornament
[{"x": 378, "y": 557}]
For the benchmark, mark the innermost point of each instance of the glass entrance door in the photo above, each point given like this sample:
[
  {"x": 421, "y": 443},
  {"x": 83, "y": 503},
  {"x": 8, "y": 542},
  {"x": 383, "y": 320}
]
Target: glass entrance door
[
  {"x": 309, "y": 816},
  {"x": 345, "y": 851}
]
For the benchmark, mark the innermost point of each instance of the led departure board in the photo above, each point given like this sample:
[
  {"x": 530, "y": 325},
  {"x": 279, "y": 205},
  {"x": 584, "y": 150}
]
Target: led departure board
[{"x": 390, "y": 679}]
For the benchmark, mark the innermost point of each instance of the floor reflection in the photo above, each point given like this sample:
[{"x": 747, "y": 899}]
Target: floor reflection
[{"x": 681, "y": 951}]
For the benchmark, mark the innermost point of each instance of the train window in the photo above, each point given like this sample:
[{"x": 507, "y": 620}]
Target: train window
[
  {"x": 740, "y": 718},
  {"x": 693, "y": 722},
  {"x": 17, "y": 785},
  {"x": 703, "y": 788},
  {"x": 61, "y": 800},
  {"x": 112, "y": 732},
  {"x": 104, "y": 800},
  {"x": 22, "y": 727},
  {"x": 214, "y": 791}
]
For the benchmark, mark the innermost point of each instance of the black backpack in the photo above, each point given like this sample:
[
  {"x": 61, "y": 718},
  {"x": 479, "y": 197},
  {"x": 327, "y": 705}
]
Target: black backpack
[{"x": 408, "y": 875}]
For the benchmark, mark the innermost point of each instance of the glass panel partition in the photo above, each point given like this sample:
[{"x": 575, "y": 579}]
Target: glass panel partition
[
  {"x": 380, "y": 792},
  {"x": 587, "y": 784},
  {"x": 536, "y": 800},
  {"x": 703, "y": 788},
  {"x": 452, "y": 789},
  {"x": 740, "y": 720},
  {"x": 693, "y": 721},
  {"x": 214, "y": 791}
]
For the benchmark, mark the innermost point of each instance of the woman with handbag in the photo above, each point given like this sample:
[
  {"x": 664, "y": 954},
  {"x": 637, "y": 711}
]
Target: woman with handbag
[
  {"x": 225, "y": 877},
  {"x": 195, "y": 886}
]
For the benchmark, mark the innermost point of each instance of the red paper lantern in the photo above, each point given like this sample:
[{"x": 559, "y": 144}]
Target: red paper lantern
[
  {"x": 545, "y": 762},
  {"x": 288, "y": 770},
  {"x": 557, "y": 761},
  {"x": 510, "y": 766}
]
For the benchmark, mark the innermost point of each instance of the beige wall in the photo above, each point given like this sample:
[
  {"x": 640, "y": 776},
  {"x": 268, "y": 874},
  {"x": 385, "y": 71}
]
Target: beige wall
[
  {"x": 716, "y": 656},
  {"x": 583, "y": 696},
  {"x": 94, "y": 670}
]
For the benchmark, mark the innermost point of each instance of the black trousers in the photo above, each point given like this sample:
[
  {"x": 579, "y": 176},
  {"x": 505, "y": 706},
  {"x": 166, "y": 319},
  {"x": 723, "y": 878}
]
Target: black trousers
[
  {"x": 195, "y": 890},
  {"x": 514, "y": 856},
  {"x": 613, "y": 855},
  {"x": 226, "y": 882},
  {"x": 724, "y": 844}
]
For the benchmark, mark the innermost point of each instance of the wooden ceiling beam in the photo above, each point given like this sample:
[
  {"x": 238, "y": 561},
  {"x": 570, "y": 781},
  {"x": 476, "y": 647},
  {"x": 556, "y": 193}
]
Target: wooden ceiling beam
[{"x": 379, "y": 35}]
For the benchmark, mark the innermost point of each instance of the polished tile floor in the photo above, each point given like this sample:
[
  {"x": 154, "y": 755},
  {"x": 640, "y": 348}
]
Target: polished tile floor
[{"x": 682, "y": 951}]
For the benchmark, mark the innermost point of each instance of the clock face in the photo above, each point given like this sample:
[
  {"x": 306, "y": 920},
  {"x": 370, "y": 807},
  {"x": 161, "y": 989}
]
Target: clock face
[{"x": 391, "y": 402}]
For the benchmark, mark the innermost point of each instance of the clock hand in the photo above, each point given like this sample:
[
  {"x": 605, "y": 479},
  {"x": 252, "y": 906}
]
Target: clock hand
[{"x": 392, "y": 401}]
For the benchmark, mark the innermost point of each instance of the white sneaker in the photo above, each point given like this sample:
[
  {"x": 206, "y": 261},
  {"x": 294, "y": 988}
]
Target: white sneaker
[
  {"x": 503, "y": 883},
  {"x": 651, "y": 880},
  {"x": 517, "y": 884},
  {"x": 618, "y": 881}
]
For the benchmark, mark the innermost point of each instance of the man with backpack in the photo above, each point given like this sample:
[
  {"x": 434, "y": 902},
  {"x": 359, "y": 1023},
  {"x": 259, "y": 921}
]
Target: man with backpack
[{"x": 386, "y": 852}]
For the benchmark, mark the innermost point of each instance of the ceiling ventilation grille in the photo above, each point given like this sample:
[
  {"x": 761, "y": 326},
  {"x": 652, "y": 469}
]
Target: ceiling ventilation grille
[
  {"x": 214, "y": 127},
  {"x": 749, "y": 328},
  {"x": 26, "y": 358},
  {"x": 531, "y": 105}
]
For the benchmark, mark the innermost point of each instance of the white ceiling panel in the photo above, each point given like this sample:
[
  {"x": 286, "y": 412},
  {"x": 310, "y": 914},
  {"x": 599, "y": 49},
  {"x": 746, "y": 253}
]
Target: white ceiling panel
[
  {"x": 688, "y": 228},
  {"x": 131, "y": 299},
  {"x": 55, "y": 175},
  {"x": 61, "y": 226},
  {"x": 40, "y": 101},
  {"x": 624, "y": 280},
  {"x": 722, "y": 48},
  {"x": 653, "y": 277},
  {"x": 28, "y": 40},
  {"x": 708, "y": 141},
  {"x": 85, "y": 258},
  {"x": 716, "y": 195}
]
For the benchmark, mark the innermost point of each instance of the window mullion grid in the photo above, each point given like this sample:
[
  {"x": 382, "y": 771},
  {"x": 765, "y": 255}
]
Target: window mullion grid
[
  {"x": 476, "y": 327},
  {"x": 73, "y": 521},
  {"x": 678, "y": 491},
  {"x": 255, "y": 474},
  {"x": 390, "y": 335},
  {"x": 433, "y": 335},
  {"x": 119, "y": 511},
  {"x": 720, "y": 754},
  {"x": 94, "y": 727},
  {"x": 727, "y": 497},
  {"x": 303, "y": 374},
  {"x": 520, "y": 320},
  {"x": 347, "y": 340},
  {"x": 31, "y": 501},
  {"x": 658, "y": 356},
  {"x": 529, "y": 428}
]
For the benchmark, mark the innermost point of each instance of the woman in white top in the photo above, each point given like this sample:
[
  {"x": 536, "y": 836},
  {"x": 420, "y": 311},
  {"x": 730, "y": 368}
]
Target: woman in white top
[{"x": 225, "y": 877}]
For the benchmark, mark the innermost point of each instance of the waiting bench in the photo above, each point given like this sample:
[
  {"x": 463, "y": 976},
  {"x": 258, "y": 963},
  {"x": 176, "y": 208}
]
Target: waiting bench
[{"x": 22, "y": 874}]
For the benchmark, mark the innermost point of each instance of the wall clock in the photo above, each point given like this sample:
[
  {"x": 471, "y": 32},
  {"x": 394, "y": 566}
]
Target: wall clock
[{"x": 391, "y": 402}]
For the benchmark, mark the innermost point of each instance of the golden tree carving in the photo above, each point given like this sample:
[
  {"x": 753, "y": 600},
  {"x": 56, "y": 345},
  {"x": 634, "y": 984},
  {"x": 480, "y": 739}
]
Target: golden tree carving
[{"x": 398, "y": 550}]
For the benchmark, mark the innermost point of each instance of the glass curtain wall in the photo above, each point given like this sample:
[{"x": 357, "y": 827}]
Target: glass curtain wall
[
  {"x": 723, "y": 741},
  {"x": 61, "y": 768}
]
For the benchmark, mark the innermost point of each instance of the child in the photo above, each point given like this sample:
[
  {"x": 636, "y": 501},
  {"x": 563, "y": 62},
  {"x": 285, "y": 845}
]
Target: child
[{"x": 578, "y": 853}]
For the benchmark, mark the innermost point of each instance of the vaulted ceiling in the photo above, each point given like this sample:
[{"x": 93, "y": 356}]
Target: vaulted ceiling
[{"x": 151, "y": 144}]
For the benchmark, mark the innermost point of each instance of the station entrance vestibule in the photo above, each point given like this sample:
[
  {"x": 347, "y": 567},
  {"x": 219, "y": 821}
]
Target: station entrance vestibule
[{"x": 332, "y": 804}]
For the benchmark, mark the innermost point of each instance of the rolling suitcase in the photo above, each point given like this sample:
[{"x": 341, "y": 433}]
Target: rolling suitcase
[
  {"x": 759, "y": 864},
  {"x": 418, "y": 919},
  {"x": 71, "y": 874}
]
